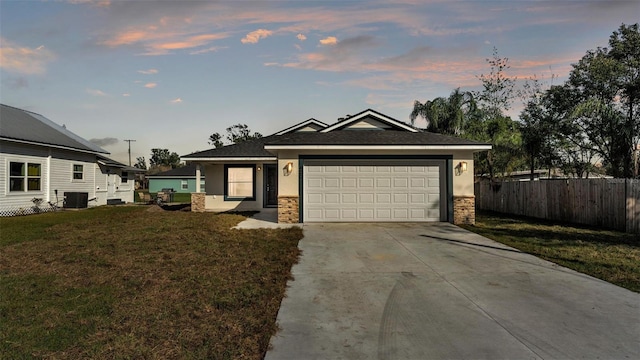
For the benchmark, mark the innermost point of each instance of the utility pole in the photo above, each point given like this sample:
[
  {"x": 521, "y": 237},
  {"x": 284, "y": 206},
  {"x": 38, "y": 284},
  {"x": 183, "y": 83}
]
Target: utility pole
[{"x": 129, "y": 141}]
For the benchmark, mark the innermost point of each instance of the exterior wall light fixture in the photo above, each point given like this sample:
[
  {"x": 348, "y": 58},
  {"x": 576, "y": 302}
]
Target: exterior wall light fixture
[{"x": 288, "y": 169}]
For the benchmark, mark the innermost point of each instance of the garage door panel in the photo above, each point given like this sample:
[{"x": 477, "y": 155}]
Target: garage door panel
[
  {"x": 314, "y": 199},
  {"x": 350, "y": 182},
  {"x": 366, "y": 198},
  {"x": 401, "y": 199},
  {"x": 383, "y": 183},
  {"x": 366, "y": 214},
  {"x": 314, "y": 183},
  {"x": 365, "y": 182},
  {"x": 364, "y": 193},
  {"x": 383, "y": 198},
  {"x": 349, "y": 198},
  {"x": 383, "y": 214},
  {"x": 350, "y": 214},
  {"x": 332, "y": 198}
]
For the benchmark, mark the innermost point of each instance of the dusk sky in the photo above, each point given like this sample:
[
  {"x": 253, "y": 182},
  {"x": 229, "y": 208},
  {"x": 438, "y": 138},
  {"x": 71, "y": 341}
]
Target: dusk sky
[{"x": 170, "y": 73}]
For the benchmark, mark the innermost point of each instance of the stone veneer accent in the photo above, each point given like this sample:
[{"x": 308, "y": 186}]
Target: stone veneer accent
[
  {"x": 197, "y": 202},
  {"x": 288, "y": 209},
  {"x": 464, "y": 210}
]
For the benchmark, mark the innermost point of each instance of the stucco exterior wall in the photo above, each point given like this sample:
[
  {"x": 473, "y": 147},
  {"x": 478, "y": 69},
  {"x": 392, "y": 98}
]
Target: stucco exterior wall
[
  {"x": 214, "y": 189},
  {"x": 462, "y": 181}
]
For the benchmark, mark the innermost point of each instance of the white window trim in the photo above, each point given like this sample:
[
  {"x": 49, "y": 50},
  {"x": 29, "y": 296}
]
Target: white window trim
[
  {"x": 73, "y": 172},
  {"x": 25, "y": 177}
]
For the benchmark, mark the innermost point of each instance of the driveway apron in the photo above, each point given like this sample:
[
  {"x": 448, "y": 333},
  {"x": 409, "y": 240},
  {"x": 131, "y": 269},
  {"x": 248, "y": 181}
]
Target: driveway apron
[{"x": 436, "y": 291}]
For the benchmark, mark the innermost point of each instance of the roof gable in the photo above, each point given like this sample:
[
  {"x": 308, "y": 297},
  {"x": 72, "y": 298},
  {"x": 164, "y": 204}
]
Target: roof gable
[
  {"x": 28, "y": 127},
  {"x": 369, "y": 120},
  {"x": 311, "y": 125}
]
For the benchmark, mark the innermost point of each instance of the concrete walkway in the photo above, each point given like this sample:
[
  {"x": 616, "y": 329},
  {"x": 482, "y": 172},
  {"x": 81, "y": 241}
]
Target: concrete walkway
[
  {"x": 265, "y": 219},
  {"x": 435, "y": 291}
]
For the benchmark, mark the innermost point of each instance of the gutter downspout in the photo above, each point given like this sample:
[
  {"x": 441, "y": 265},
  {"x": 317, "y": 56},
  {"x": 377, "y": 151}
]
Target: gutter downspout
[{"x": 48, "y": 178}]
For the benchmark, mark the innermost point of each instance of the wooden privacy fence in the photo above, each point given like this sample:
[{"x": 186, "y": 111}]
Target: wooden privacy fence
[{"x": 608, "y": 203}]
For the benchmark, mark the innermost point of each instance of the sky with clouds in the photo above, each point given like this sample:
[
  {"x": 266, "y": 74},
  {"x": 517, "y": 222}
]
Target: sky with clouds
[{"x": 170, "y": 73}]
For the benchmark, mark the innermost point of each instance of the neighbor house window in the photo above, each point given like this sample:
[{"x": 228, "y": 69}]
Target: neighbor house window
[
  {"x": 24, "y": 176},
  {"x": 240, "y": 182},
  {"x": 125, "y": 177},
  {"x": 184, "y": 185},
  {"x": 78, "y": 172}
]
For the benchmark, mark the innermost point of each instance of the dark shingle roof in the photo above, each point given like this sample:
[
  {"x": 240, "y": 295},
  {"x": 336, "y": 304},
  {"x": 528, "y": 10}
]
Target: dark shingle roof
[
  {"x": 253, "y": 148},
  {"x": 371, "y": 137},
  {"x": 22, "y": 125},
  {"x": 185, "y": 171}
]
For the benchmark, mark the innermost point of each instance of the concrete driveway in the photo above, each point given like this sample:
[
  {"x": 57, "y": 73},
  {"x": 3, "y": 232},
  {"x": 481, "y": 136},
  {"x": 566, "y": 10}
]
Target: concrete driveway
[{"x": 435, "y": 291}]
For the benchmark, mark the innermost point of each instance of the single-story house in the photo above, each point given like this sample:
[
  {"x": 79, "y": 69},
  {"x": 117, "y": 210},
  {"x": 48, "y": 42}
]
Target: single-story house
[
  {"x": 42, "y": 162},
  {"x": 367, "y": 167},
  {"x": 181, "y": 180}
]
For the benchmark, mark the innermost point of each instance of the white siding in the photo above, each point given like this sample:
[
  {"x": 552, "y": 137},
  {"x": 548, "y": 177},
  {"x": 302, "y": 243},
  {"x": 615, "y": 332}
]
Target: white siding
[
  {"x": 57, "y": 174},
  {"x": 18, "y": 199},
  {"x": 62, "y": 174}
]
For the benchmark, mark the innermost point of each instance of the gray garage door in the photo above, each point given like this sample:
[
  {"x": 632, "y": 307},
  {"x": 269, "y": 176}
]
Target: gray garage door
[{"x": 351, "y": 192}]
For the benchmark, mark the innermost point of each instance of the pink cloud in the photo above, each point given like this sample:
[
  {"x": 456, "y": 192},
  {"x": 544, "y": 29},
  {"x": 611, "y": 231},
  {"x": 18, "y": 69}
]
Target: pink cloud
[
  {"x": 331, "y": 40},
  {"x": 22, "y": 59},
  {"x": 150, "y": 85},
  {"x": 255, "y": 36}
]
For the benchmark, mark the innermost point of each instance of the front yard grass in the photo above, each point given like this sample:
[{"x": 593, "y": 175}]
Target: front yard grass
[
  {"x": 612, "y": 256},
  {"x": 131, "y": 282}
]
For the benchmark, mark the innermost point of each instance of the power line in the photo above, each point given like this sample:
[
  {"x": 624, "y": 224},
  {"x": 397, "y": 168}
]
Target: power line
[{"x": 129, "y": 141}]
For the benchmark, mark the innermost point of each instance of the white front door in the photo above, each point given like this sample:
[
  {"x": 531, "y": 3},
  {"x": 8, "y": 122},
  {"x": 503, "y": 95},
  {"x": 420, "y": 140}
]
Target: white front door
[
  {"x": 359, "y": 192},
  {"x": 111, "y": 185}
]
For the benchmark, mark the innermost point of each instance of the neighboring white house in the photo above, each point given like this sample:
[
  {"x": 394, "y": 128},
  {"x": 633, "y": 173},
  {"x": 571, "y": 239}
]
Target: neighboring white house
[{"x": 42, "y": 160}]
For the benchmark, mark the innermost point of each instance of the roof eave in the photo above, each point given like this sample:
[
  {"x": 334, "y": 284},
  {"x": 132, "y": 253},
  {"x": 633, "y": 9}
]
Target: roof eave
[
  {"x": 53, "y": 146},
  {"x": 480, "y": 147},
  {"x": 235, "y": 158}
]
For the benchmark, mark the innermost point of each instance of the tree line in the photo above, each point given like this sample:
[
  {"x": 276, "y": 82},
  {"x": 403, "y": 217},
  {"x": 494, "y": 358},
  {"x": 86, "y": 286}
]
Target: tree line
[
  {"x": 589, "y": 124},
  {"x": 163, "y": 160}
]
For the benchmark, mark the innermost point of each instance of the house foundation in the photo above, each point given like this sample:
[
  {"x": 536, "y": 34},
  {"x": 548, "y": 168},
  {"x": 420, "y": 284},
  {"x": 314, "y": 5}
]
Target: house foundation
[
  {"x": 464, "y": 210},
  {"x": 288, "y": 209}
]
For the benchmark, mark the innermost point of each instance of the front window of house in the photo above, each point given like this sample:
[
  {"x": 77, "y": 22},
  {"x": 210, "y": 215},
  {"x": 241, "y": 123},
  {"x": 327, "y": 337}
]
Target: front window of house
[
  {"x": 78, "y": 172},
  {"x": 240, "y": 182},
  {"x": 184, "y": 185},
  {"x": 125, "y": 177},
  {"x": 24, "y": 176}
]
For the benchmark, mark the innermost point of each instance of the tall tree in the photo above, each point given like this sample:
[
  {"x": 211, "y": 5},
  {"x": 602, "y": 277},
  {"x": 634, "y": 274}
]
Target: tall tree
[
  {"x": 215, "y": 139},
  {"x": 164, "y": 158},
  {"x": 607, "y": 82},
  {"x": 537, "y": 126},
  {"x": 140, "y": 163},
  {"x": 235, "y": 134},
  {"x": 493, "y": 125},
  {"x": 497, "y": 88},
  {"x": 446, "y": 115}
]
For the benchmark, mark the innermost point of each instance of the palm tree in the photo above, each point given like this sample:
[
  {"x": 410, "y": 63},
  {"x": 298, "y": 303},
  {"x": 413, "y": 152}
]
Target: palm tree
[{"x": 446, "y": 115}]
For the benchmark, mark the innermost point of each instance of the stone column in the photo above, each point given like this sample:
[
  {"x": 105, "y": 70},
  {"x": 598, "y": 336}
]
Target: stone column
[
  {"x": 288, "y": 209},
  {"x": 464, "y": 210},
  {"x": 197, "y": 202}
]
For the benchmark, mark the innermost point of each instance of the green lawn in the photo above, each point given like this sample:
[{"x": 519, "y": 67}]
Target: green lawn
[
  {"x": 140, "y": 282},
  {"x": 608, "y": 255}
]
